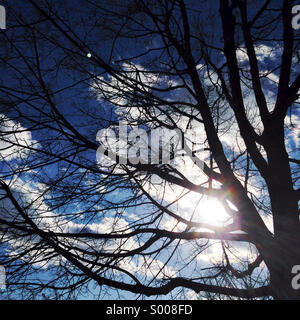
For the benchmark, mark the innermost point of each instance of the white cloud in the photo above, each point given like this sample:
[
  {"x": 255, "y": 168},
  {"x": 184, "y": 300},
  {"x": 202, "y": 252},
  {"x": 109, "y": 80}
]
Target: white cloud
[{"x": 14, "y": 139}]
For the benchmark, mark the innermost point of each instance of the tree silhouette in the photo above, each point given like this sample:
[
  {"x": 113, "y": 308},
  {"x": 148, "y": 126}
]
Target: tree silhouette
[{"x": 223, "y": 73}]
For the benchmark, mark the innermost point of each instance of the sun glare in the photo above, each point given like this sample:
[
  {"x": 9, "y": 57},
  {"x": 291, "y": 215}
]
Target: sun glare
[{"x": 212, "y": 212}]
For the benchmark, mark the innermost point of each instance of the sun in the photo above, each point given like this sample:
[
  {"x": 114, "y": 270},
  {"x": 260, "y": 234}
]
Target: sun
[{"x": 213, "y": 212}]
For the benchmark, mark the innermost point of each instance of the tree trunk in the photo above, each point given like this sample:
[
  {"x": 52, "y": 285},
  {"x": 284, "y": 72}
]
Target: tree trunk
[
  {"x": 284, "y": 252},
  {"x": 284, "y": 256}
]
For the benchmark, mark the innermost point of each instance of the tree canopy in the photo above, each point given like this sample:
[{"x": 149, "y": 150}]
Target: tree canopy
[{"x": 220, "y": 219}]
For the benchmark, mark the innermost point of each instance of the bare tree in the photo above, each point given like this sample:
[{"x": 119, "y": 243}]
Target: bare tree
[{"x": 227, "y": 72}]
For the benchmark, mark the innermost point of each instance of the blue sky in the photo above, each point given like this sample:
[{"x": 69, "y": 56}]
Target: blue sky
[{"x": 72, "y": 76}]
